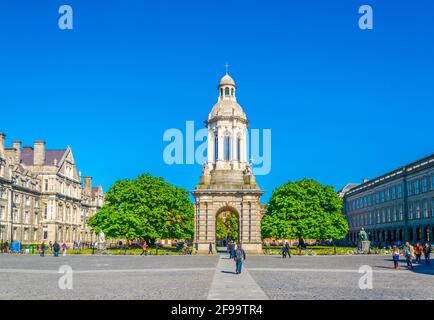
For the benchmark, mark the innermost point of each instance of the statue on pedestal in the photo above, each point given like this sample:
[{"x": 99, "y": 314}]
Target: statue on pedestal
[
  {"x": 364, "y": 244},
  {"x": 101, "y": 242}
]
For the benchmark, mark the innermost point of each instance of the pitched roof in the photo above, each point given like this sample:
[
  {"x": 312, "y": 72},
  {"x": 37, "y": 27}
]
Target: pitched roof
[{"x": 50, "y": 155}]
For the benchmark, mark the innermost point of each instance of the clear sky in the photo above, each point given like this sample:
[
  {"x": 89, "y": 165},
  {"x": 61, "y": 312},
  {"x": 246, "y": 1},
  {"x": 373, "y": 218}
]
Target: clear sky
[{"x": 342, "y": 103}]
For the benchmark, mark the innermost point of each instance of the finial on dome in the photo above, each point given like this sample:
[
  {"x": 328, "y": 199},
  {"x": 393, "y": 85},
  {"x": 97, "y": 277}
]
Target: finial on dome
[{"x": 227, "y": 68}]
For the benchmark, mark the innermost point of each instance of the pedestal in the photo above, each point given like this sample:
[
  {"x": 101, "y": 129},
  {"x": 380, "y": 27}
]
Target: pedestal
[{"x": 364, "y": 246}]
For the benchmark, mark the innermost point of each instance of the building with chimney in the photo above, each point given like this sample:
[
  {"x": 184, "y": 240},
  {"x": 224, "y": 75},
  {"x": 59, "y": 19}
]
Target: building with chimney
[{"x": 43, "y": 196}]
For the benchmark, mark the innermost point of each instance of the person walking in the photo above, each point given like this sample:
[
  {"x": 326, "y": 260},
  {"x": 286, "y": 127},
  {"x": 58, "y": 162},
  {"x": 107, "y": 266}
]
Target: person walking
[
  {"x": 210, "y": 248},
  {"x": 56, "y": 249},
  {"x": 418, "y": 250},
  {"x": 427, "y": 253},
  {"x": 51, "y": 245},
  {"x": 144, "y": 249},
  {"x": 395, "y": 257},
  {"x": 6, "y": 246},
  {"x": 42, "y": 253},
  {"x": 408, "y": 255},
  {"x": 232, "y": 249},
  {"x": 240, "y": 256},
  {"x": 287, "y": 250},
  {"x": 64, "y": 248}
]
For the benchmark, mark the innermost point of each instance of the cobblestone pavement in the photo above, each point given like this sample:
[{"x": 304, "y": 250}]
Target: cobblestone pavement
[{"x": 200, "y": 277}]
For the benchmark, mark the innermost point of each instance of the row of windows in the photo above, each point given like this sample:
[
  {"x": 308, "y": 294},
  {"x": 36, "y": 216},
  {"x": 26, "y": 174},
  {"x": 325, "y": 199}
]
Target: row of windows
[
  {"x": 415, "y": 210},
  {"x": 389, "y": 194},
  {"x": 372, "y": 199}
]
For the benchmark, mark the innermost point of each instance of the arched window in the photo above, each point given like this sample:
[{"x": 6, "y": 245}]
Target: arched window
[
  {"x": 227, "y": 92},
  {"x": 221, "y": 92},
  {"x": 232, "y": 92},
  {"x": 239, "y": 149},
  {"x": 216, "y": 147},
  {"x": 227, "y": 148}
]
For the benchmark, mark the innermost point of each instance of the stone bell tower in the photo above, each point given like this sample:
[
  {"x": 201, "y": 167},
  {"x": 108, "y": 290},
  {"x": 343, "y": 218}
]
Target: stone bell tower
[{"x": 227, "y": 181}]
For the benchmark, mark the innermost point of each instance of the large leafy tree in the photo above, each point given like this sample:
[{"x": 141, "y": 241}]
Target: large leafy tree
[
  {"x": 145, "y": 208},
  {"x": 227, "y": 228},
  {"x": 304, "y": 210}
]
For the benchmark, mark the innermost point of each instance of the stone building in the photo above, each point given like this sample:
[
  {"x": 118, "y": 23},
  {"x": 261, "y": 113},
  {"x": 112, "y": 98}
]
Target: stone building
[
  {"x": 227, "y": 182},
  {"x": 42, "y": 196},
  {"x": 397, "y": 206}
]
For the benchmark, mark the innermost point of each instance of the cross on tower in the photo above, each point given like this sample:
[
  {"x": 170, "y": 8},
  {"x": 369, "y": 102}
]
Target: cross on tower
[{"x": 227, "y": 67}]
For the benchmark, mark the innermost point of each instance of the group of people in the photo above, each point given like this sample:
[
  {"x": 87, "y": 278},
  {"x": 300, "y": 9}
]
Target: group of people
[
  {"x": 410, "y": 253},
  {"x": 286, "y": 251},
  {"x": 54, "y": 247}
]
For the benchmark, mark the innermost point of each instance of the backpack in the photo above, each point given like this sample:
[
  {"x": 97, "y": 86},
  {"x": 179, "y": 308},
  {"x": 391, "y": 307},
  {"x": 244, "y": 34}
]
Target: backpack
[{"x": 239, "y": 255}]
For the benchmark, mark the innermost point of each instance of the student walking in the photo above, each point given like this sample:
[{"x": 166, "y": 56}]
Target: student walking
[
  {"x": 395, "y": 257},
  {"x": 287, "y": 250},
  {"x": 240, "y": 256},
  {"x": 56, "y": 249},
  {"x": 427, "y": 253},
  {"x": 408, "y": 255},
  {"x": 6, "y": 246},
  {"x": 418, "y": 251},
  {"x": 42, "y": 254}
]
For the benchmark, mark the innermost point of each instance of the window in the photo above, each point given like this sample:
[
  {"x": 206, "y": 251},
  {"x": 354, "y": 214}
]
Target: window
[
  {"x": 227, "y": 148},
  {"x": 239, "y": 149},
  {"x": 399, "y": 191},
  {"x": 410, "y": 211},
  {"x": 382, "y": 196},
  {"x": 425, "y": 208},
  {"x": 46, "y": 212},
  {"x": 401, "y": 213},
  {"x": 216, "y": 147},
  {"x": 410, "y": 189},
  {"x": 432, "y": 182},
  {"x": 387, "y": 195},
  {"x": 416, "y": 187},
  {"x": 417, "y": 210},
  {"x": 2, "y": 212},
  {"x": 46, "y": 184},
  {"x": 232, "y": 92},
  {"x": 393, "y": 193},
  {"x": 424, "y": 184},
  {"x": 227, "y": 92}
]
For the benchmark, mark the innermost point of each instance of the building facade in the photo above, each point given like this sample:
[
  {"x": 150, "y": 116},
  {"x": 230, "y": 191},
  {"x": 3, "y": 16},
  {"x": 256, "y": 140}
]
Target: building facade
[
  {"x": 227, "y": 182},
  {"x": 397, "y": 206},
  {"x": 42, "y": 196}
]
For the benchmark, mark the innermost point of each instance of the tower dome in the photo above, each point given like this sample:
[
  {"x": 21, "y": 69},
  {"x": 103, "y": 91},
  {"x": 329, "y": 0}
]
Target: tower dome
[
  {"x": 227, "y": 80},
  {"x": 227, "y": 104}
]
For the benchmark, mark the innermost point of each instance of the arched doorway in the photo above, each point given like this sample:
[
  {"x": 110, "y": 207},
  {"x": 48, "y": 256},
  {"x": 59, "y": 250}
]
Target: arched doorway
[{"x": 227, "y": 226}]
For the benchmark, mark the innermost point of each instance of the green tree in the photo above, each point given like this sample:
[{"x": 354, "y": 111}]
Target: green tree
[
  {"x": 145, "y": 208},
  {"x": 304, "y": 210},
  {"x": 227, "y": 228}
]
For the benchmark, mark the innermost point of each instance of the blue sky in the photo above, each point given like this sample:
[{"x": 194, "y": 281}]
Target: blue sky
[{"x": 342, "y": 103}]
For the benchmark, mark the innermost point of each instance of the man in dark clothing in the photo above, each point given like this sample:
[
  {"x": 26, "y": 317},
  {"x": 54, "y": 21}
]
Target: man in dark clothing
[
  {"x": 287, "y": 250},
  {"x": 42, "y": 254},
  {"x": 6, "y": 246},
  {"x": 240, "y": 256},
  {"x": 56, "y": 248},
  {"x": 427, "y": 253},
  {"x": 210, "y": 248}
]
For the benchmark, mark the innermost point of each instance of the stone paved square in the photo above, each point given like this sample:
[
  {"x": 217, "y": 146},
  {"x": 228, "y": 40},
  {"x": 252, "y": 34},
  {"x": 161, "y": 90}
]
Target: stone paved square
[{"x": 210, "y": 277}]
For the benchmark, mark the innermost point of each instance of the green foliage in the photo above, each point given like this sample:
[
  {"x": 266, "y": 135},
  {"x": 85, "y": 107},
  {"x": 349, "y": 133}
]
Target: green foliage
[
  {"x": 145, "y": 208},
  {"x": 304, "y": 210},
  {"x": 227, "y": 229}
]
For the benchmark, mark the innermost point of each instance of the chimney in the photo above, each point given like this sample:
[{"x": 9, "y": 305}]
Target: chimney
[
  {"x": 17, "y": 146},
  {"x": 39, "y": 153},
  {"x": 365, "y": 180},
  {"x": 88, "y": 185},
  {"x": 2, "y": 144}
]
